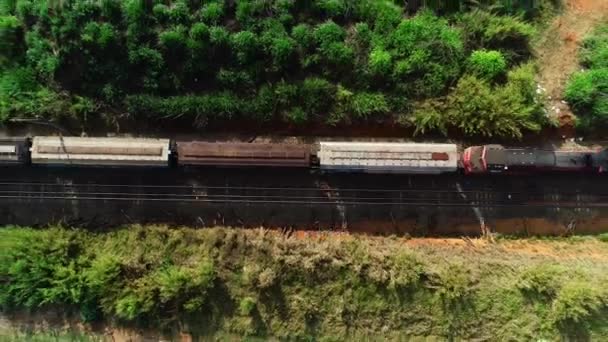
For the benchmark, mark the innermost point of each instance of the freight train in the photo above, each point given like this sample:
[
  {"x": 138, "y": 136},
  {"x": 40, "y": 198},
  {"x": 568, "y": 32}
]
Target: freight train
[{"x": 368, "y": 157}]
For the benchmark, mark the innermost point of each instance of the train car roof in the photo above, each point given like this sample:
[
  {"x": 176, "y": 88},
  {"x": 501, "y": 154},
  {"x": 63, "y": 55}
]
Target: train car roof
[
  {"x": 243, "y": 154},
  {"x": 388, "y": 157},
  {"x": 99, "y": 151}
]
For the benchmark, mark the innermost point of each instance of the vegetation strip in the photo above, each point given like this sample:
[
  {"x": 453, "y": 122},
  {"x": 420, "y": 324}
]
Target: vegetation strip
[
  {"x": 466, "y": 67},
  {"x": 333, "y": 286}
]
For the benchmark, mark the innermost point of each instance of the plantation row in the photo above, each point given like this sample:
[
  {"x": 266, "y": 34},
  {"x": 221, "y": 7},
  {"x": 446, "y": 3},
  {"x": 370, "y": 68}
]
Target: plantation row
[
  {"x": 336, "y": 287},
  {"x": 319, "y": 62}
]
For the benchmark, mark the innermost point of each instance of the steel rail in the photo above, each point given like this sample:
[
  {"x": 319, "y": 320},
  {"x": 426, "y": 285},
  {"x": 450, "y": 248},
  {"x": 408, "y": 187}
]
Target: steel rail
[{"x": 331, "y": 202}]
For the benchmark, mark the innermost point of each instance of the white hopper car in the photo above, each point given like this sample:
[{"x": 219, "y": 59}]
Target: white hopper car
[
  {"x": 373, "y": 157},
  {"x": 100, "y": 151}
]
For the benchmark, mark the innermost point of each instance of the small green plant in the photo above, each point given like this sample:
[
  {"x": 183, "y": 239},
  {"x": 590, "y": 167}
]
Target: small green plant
[
  {"x": 578, "y": 303},
  {"x": 487, "y": 64},
  {"x": 542, "y": 279},
  {"x": 247, "y": 305}
]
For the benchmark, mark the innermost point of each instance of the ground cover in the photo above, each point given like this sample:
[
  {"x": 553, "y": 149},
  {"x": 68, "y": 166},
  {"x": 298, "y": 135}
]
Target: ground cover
[{"x": 329, "y": 286}]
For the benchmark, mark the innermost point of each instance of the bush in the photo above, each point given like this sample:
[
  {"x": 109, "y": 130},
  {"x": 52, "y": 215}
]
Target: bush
[
  {"x": 594, "y": 52},
  {"x": 578, "y": 303},
  {"x": 328, "y": 33},
  {"x": 173, "y": 41},
  {"x": 452, "y": 283},
  {"x": 212, "y": 13},
  {"x": 477, "y": 109},
  {"x": 429, "y": 54},
  {"x": 365, "y": 105},
  {"x": 430, "y": 117},
  {"x": 487, "y": 64},
  {"x": 508, "y": 34},
  {"x": 317, "y": 95},
  {"x": 281, "y": 50},
  {"x": 10, "y": 41},
  {"x": 382, "y": 15},
  {"x": 541, "y": 280},
  {"x": 247, "y": 306},
  {"x": 179, "y": 13},
  {"x": 333, "y": 8},
  {"x": 586, "y": 92},
  {"x": 380, "y": 62},
  {"x": 200, "y": 109},
  {"x": 244, "y": 45}
]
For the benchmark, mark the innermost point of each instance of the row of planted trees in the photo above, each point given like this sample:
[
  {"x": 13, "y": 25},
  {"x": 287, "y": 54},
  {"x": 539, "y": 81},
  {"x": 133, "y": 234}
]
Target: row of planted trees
[{"x": 325, "y": 62}]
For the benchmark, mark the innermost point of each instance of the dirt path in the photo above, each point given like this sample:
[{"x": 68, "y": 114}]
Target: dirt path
[{"x": 558, "y": 52}]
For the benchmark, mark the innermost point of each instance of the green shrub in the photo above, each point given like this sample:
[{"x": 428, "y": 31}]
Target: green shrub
[
  {"x": 219, "y": 36},
  {"x": 281, "y": 50},
  {"x": 430, "y": 117},
  {"x": 477, "y": 109},
  {"x": 333, "y": 8},
  {"x": 405, "y": 272},
  {"x": 577, "y": 303},
  {"x": 212, "y": 13},
  {"x": 296, "y": 115},
  {"x": 586, "y": 92},
  {"x": 338, "y": 56},
  {"x": 10, "y": 40},
  {"x": 317, "y": 95},
  {"x": 247, "y": 306},
  {"x": 482, "y": 29},
  {"x": 365, "y": 105},
  {"x": 382, "y": 15},
  {"x": 303, "y": 35},
  {"x": 328, "y": 33},
  {"x": 179, "y": 14},
  {"x": 582, "y": 89},
  {"x": 543, "y": 279},
  {"x": 428, "y": 53},
  {"x": 452, "y": 283},
  {"x": 380, "y": 62},
  {"x": 244, "y": 44},
  {"x": 173, "y": 41},
  {"x": 233, "y": 79},
  {"x": 161, "y": 13},
  {"x": 594, "y": 52},
  {"x": 487, "y": 64},
  {"x": 200, "y": 109}
]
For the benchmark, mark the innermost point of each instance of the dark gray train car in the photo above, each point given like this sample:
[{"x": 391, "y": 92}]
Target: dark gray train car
[{"x": 14, "y": 151}]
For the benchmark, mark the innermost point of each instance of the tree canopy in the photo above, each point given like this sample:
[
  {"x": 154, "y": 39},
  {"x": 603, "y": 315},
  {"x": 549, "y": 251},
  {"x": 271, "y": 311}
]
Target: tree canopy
[{"x": 322, "y": 62}]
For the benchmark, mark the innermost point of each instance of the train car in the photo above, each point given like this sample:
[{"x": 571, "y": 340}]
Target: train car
[
  {"x": 498, "y": 159},
  {"x": 242, "y": 154},
  {"x": 14, "y": 151},
  {"x": 100, "y": 151},
  {"x": 388, "y": 157}
]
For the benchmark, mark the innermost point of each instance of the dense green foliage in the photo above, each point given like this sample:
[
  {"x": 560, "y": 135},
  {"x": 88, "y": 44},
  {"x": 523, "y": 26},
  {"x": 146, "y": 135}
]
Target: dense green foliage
[
  {"x": 587, "y": 91},
  {"x": 265, "y": 284},
  {"x": 321, "y": 62}
]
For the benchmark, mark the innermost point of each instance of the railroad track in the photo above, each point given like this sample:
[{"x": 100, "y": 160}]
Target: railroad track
[{"x": 250, "y": 195}]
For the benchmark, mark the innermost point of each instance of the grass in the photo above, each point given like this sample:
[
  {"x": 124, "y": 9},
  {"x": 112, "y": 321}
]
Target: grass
[{"x": 263, "y": 284}]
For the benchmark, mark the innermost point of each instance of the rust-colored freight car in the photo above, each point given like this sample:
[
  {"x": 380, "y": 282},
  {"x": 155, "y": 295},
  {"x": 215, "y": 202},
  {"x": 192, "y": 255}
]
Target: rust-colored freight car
[{"x": 242, "y": 154}]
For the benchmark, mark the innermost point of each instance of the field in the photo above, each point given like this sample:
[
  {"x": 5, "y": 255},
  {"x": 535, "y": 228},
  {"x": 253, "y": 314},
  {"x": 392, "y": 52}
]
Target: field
[{"x": 328, "y": 286}]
